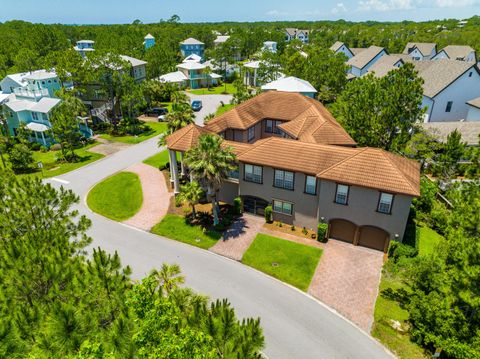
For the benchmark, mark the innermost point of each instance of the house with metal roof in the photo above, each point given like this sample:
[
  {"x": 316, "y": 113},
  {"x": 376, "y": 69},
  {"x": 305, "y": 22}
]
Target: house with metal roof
[
  {"x": 84, "y": 46},
  {"x": 148, "y": 41},
  {"x": 294, "y": 156},
  {"x": 192, "y": 46},
  {"x": 291, "y": 84}
]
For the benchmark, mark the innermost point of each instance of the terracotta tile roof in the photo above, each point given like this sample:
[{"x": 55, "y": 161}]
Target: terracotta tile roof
[
  {"x": 365, "y": 167},
  {"x": 238, "y": 147},
  {"x": 185, "y": 138},
  {"x": 375, "y": 168},
  {"x": 285, "y": 106}
]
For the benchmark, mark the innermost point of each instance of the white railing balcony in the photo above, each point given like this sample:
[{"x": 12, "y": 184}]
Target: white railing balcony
[{"x": 26, "y": 92}]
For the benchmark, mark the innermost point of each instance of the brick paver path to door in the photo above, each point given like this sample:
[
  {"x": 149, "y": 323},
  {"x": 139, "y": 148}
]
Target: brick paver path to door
[
  {"x": 238, "y": 237},
  {"x": 156, "y": 197},
  {"x": 347, "y": 280}
]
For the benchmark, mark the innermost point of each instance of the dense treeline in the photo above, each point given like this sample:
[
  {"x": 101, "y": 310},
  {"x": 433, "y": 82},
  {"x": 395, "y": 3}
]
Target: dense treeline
[{"x": 23, "y": 44}]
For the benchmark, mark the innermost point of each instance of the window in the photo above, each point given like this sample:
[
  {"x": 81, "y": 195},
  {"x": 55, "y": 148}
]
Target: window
[
  {"x": 385, "y": 203},
  {"x": 449, "y": 106},
  {"x": 234, "y": 173},
  {"x": 470, "y": 74},
  {"x": 271, "y": 126},
  {"x": 253, "y": 173},
  {"x": 310, "y": 185},
  {"x": 341, "y": 197},
  {"x": 251, "y": 133},
  {"x": 44, "y": 117},
  {"x": 283, "y": 179},
  {"x": 35, "y": 116},
  {"x": 282, "y": 207}
]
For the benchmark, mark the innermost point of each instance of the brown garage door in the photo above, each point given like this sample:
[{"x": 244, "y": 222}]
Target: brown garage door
[
  {"x": 342, "y": 230},
  {"x": 373, "y": 237}
]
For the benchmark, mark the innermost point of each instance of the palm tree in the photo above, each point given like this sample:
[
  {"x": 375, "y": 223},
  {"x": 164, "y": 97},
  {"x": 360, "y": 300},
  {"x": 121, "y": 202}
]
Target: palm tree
[
  {"x": 211, "y": 163},
  {"x": 168, "y": 277},
  {"x": 191, "y": 193},
  {"x": 209, "y": 117},
  {"x": 179, "y": 119}
]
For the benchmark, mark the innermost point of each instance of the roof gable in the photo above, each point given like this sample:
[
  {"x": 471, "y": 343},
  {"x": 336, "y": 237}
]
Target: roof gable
[{"x": 363, "y": 58}]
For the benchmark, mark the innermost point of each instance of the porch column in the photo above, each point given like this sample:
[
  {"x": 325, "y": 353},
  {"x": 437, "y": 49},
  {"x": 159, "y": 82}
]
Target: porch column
[
  {"x": 174, "y": 171},
  {"x": 43, "y": 139},
  {"x": 182, "y": 166}
]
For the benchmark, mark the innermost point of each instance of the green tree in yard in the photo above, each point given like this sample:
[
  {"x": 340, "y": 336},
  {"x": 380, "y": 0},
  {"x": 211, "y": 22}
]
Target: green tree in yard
[
  {"x": 241, "y": 94},
  {"x": 26, "y": 60},
  {"x": 382, "y": 112},
  {"x": 65, "y": 126},
  {"x": 20, "y": 158},
  {"x": 208, "y": 117},
  {"x": 450, "y": 153},
  {"x": 156, "y": 92},
  {"x": 191, "y": 193},
  {"x": 422, "y": 147},
  {"x": 168, "y": 277},
  {"x": 269, "y": 68},
  {"x": 210, "y": 163}
]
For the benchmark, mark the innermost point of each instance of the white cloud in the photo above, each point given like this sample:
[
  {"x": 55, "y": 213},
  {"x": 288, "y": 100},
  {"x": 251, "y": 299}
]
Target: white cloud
[
  {"x": 339, "y": 8},
  {"x": 455, "y": 3},
  {"x": 389, "y": 5}
]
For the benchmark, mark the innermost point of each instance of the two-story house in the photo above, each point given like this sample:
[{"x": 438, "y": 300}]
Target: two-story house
[
  {"x": 31, "y": 104},
  {"x": 340, "y": 47},
  {"x": 293, "y": 155},
  {"x": 192, "y": 46},
  {"x": 138, "y": 68},
  {"x": 420, "y": 51},
  {"x": 148, "y": 41},
  {"x": 362, "y": 61},
  {"x": 298, "y": 34}
]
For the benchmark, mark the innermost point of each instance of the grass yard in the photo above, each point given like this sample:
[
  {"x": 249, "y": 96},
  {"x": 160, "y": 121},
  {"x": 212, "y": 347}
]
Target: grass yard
[
  {"x": 428, "y": 241},
  {"x": 288, "y": 261},
  {"x": 175, "y": 227},
  {"x": 222, "y": 109},
  {"x": 388, "y": 306},
  {"x": 156, "y": 128},
  {"x": 216, "y": 90},
  {"x": 118, "y": 197},
  {"x": 159, "y": 160}
]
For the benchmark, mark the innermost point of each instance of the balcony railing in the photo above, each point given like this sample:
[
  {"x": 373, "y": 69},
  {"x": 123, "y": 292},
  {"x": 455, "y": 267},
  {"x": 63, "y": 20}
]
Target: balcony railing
[{"x": 26, "y": 92}]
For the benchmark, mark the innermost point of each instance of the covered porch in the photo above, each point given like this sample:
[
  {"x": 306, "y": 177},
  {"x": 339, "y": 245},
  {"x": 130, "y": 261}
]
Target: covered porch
[{"x": 40, "y": 133}]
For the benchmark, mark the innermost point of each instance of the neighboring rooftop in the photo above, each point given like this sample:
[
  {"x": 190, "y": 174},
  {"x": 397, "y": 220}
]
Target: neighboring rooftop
[
  {"x": 43, "y": 106},
  {"x": 385, "y": 64},
  {"x": 290, "y": 84},
  {"x": 425, "y": 48},
  {"x": 133, "y": 61},
  {"x": 364, "y": 57},
  {"x": 221, "y": 39},
  {"x": 186, "y": 137},
  {"x": 191, "y": 41},
  {"x": 85, "y": 42},
  {"x": 21, "y": 77},
  {"x": 457, "y": 52},
  {"x": 192, "y": 57},
  {"x": 41, "y": 75},
  {"x": 177, "y": 76},
  {"x": 285, "y": 106},
  {"x": 191, "y": 65},
  {"x": 336, "y": 46},
  {"x": 469, "y": 130},
  {"x": 149, "y": 36},
  {"x": 438, "y": 74},
  {"x": 356, "y": 50}
]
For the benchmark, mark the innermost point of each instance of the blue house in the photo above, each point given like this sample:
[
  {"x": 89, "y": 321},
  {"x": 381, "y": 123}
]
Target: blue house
[
  {"x": 192, "y": 46},
  {"x": 30, "y": 99},
  {"x": 149, "y": 41}
]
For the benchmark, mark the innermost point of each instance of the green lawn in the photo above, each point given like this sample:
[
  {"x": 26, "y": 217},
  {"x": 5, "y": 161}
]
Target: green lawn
[
  {"x": 217, "y": 90},
  {"x": 288, "y": 261},
  {"x": 52, "y": 168},
  {"x": 428, "y": 241},
  {"x": 222, "y": 109},
  {"x": 175, "y": 227},
  {"x": 388, "y": 307},
  {"x": 159, "y": 160},
  {"x": 156, "y": 128},
  {"x": 118, "y": 197}
]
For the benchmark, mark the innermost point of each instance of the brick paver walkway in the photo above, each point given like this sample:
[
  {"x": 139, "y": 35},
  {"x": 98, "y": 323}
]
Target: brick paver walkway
[
  {"x": 238, "y": 237},
  {"x": 156, "y": 197},
  {"x": 347, "y": 280}
]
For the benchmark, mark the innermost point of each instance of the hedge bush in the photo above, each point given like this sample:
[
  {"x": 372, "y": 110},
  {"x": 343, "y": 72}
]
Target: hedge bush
[
  {"x": 322, "y": 232},
  {"x": 268, "y": 214}
]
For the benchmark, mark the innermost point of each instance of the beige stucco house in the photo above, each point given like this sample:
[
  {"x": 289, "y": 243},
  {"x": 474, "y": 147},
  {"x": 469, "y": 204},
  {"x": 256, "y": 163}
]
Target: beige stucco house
[{"x": 293, "y": 155}]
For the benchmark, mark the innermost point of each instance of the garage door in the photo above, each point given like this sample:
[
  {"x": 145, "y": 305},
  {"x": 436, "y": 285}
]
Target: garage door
[
  {"x": 373, "y": 237},
  {"x": 342, "y": 229}
]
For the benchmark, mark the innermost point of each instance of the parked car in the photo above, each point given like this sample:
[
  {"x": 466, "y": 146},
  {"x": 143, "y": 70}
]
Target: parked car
[
  {"x": 196, "y": 105},
  {"x": 156, "y": 112}
]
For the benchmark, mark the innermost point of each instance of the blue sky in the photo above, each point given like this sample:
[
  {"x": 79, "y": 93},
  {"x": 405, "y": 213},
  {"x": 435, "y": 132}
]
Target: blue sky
[{"x": 125, "y": 11}]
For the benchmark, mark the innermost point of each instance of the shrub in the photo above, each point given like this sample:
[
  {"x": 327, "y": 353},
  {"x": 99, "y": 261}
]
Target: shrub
[
  {"x": 21, "y": 158},
  {"x": 398, "y": 250},
  {"x": 322, "y": 232},
  {"x": 280, "y": 224},
  {"x": 237, "y": 205},
  {"x": 43, "y": 149},
  {"x": 55, "y": 147},
  {"x": 35, "y": 146},
  {"x": 292, "y": 227},
  {"x": 268, "y": 214},
  {"x": 304, "y": 231}
]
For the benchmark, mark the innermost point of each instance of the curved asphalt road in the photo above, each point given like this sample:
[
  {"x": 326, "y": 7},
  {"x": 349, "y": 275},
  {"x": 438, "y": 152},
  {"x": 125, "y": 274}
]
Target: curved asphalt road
[{"x": 295, "y": 325}]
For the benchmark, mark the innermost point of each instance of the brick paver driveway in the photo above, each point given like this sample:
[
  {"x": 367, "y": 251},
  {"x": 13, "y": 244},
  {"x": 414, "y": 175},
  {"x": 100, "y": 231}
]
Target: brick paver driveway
[
  {"x": 238, "y": 237},
  {"x": 347, "y": 280}
]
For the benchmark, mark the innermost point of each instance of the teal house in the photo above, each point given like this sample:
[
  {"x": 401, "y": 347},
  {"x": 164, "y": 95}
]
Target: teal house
[
  {"x": 28, "y": 99},
  {"x": 149, "y": 41},
  {"x": 192, "y": 46}
]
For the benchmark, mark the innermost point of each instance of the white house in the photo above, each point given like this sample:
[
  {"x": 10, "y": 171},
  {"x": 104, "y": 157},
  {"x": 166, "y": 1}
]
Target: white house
[
  {"x": 270, "y": 46},
  {"x": 457, "y": 52},
  {"x": 340, "y": 47},
  {"x": 360, "y": 63},
  {"x": 419, "y": 51},
  {"x": 292, "y": 33},
  {"x": 220, "y": 39},
  {"x": 291, "y": 84},
  {"x": 250, "y": 73},
  {"x": 448, "y": 86}
]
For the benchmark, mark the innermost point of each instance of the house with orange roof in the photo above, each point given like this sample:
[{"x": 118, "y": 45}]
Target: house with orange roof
[{"x": 294, "y": 156}]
